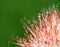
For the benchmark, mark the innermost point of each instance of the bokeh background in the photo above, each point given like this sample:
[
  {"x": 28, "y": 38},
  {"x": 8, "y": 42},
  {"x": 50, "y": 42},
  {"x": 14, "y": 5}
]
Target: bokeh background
[{"x": 11, "y": 13}]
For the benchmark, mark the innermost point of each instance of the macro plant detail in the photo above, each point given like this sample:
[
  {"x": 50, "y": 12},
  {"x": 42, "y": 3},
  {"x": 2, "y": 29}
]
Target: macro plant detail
[{"x": 42, "y": 33}]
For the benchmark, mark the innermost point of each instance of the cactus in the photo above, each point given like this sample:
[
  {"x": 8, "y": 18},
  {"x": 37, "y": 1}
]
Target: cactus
[{"x": 42, "y": 33}]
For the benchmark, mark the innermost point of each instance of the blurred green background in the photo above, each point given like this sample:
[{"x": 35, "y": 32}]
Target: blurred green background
[{"x": 11, "y": 13}]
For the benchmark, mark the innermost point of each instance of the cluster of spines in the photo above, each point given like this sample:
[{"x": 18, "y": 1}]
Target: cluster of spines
[{"x": 44, "y": 32}]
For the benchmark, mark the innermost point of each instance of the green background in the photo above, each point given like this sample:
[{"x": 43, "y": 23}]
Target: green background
[{"x": 11, "y": 13}]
